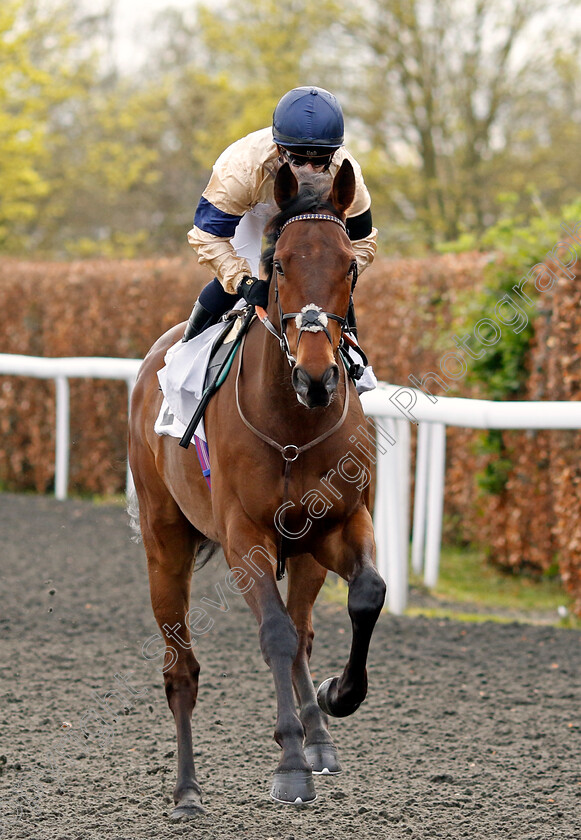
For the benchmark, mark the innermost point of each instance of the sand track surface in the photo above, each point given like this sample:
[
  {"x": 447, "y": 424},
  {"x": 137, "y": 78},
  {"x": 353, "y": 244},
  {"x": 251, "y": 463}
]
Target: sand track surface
[{"x": 468, "y": 731}]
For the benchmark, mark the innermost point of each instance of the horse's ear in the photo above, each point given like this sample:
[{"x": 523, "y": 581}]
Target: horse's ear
[
  {"x": 343, "y": 190},
  {"x": 286, "y": 185}
]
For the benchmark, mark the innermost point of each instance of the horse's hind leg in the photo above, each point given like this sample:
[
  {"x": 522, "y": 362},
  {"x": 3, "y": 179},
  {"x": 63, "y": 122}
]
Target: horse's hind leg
[
  {"x": 353, "y": 559},
  {"x": 306, "y": 577},
  {"x": 170, "y": 543}
]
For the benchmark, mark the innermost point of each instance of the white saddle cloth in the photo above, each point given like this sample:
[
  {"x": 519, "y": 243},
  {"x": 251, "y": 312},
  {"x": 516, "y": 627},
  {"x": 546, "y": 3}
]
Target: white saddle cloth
[{"x": 182, "y": 382}]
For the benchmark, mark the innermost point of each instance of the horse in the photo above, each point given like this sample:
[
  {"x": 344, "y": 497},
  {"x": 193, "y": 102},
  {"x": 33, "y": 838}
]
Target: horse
[{"x": 287, "y": 420}]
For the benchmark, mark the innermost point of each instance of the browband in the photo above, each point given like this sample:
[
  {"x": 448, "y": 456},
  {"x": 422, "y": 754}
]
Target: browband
[{"x": 305, "y": 217}]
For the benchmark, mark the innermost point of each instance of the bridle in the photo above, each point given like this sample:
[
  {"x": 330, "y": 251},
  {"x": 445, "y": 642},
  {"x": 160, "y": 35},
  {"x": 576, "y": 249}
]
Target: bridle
[{"x": 311, "y": 318}]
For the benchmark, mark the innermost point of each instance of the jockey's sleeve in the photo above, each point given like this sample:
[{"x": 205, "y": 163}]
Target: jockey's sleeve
[
  {"x": 363, "y": 238},
  {"x": 360, "y": 229},
  {"x": 234, "y": 188},
  {"x": 365, "y": 250},
  {"x": 211, "y": 239}
]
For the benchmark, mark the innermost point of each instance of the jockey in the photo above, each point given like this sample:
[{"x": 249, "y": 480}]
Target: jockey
[{"x": 307, "y": 132}]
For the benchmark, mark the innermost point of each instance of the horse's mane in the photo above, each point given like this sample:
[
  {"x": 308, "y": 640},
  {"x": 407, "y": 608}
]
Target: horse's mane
[{"x": 310, "y": 198}]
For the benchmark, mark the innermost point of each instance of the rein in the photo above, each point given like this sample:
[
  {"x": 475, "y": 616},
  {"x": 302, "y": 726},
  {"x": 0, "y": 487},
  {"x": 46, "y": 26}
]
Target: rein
[{"x": 290, "y": 453}]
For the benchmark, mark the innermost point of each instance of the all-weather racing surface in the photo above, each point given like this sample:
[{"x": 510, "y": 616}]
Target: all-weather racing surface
[{"x": 468, "y": 730}]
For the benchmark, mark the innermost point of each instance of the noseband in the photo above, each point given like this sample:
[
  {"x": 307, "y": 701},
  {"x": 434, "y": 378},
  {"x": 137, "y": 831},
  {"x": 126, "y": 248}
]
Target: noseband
[{"x": 311, "y": 318}]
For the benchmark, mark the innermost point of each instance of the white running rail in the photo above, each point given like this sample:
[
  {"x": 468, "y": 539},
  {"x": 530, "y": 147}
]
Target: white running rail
[
  {"x": 61, "y": 370},
  {"x": 392, "y": 403},
  {"x": 393, "y": 409}
]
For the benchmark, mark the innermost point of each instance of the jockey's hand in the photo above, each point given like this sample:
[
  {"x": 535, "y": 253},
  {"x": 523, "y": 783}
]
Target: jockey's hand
[{"x": 254, "y": 291}]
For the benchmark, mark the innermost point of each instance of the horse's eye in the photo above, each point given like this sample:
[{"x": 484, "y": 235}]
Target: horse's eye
[{"x": 278, "y": 268}]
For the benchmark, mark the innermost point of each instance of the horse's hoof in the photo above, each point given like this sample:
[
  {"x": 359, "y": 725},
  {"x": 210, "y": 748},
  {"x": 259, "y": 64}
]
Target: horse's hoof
[
  {"x": 323, "y": 759},
  {"x": 328, "y": 700},
  {"x": 186, "y": 812},
  {"x": 187, "y": 808},
  {"x": 295, "y": 787}
]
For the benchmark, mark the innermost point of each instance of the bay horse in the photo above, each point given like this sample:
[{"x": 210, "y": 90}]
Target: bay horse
[{"x": 276, "y": 432}]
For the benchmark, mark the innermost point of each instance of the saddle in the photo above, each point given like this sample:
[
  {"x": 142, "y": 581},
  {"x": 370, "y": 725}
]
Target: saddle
[{"x": 222, "y": 354}]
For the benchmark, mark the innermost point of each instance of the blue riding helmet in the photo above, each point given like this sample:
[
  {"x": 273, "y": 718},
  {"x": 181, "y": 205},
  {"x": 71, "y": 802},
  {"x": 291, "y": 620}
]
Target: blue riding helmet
[{"x": 308, "y": 117}]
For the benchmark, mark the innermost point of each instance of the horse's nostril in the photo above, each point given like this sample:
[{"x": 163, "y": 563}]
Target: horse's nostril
[
  {"x": 330, "y": 379},
  {"x": 315, "y": 392},
  {"x": 301, "y": 380}
]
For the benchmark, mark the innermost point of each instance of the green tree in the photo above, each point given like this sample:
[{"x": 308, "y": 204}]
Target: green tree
[
  {"x": 79, "y": 146},
  {"x": 38, "y": 73},
  {"x": 229, "y": 66},
  {"x": 224, "y": 72},
  {"x": 103, "y": 171},
  {"x": 452, "y": 88}
]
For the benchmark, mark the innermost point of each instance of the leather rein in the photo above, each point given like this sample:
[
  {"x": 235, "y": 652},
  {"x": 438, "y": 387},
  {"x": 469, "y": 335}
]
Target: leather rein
[{"x": 311, "y": 318}]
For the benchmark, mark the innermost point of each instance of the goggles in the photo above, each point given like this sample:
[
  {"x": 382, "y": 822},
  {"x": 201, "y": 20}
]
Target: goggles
[{"x": 303, "y": 157}]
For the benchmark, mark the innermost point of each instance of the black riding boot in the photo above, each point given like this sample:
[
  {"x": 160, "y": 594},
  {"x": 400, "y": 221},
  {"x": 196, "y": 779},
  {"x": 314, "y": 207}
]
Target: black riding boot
[{"x": 199, "y": 320}]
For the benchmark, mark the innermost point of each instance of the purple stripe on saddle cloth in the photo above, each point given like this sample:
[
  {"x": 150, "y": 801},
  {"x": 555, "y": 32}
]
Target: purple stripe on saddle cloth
[{"x": 204, "y": 458}]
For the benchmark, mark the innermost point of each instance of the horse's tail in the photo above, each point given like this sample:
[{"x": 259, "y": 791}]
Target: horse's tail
[
  {"x": 207, "y": 551},
  {"x": 133, "y": 514}
]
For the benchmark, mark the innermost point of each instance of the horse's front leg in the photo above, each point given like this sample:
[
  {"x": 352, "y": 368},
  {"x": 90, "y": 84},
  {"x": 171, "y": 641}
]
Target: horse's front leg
[
  {"x": 352, "y": 557},
  {"x": 306, "y": 577},
  {"x": 255, "y": 571}
]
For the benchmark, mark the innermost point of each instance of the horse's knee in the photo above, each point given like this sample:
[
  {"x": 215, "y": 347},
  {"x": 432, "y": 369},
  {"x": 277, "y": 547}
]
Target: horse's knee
[
  {"x": 278, "y": 637},
  {"x": 366, "y": 595},
  {"x": 181, "y": 683}
]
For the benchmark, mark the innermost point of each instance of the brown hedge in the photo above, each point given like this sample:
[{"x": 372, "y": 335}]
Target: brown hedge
[
  {"x": 535, "y": 524},
  {"x": 406, "y": 317},
  {"x": 88, "y": 308}
]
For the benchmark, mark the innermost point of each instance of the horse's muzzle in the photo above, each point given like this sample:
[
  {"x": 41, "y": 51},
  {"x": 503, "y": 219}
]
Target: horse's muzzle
[{"x": 315, "y": 393}]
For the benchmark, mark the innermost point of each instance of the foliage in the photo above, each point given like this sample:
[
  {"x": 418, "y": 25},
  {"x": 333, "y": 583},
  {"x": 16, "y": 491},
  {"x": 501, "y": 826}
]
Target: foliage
[
  {"x": 502, "y": 373},
  {"x": 266, "y": 48},
  {"x": 40, "y": 69},
  {"x": 449, "y": 105},
  {"x": 453, "y": 97},
  {"x": 228, "y": 67},
  {"x": 74, "y": 141},
  {"x": 102, "y": 167},
  {"x": 498, "y": 468},
  {"x": 520, "y": 244}
]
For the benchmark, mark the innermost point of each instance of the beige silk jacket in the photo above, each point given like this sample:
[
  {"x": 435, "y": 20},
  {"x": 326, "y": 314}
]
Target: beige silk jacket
[{"x": 242, "y": 178}]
